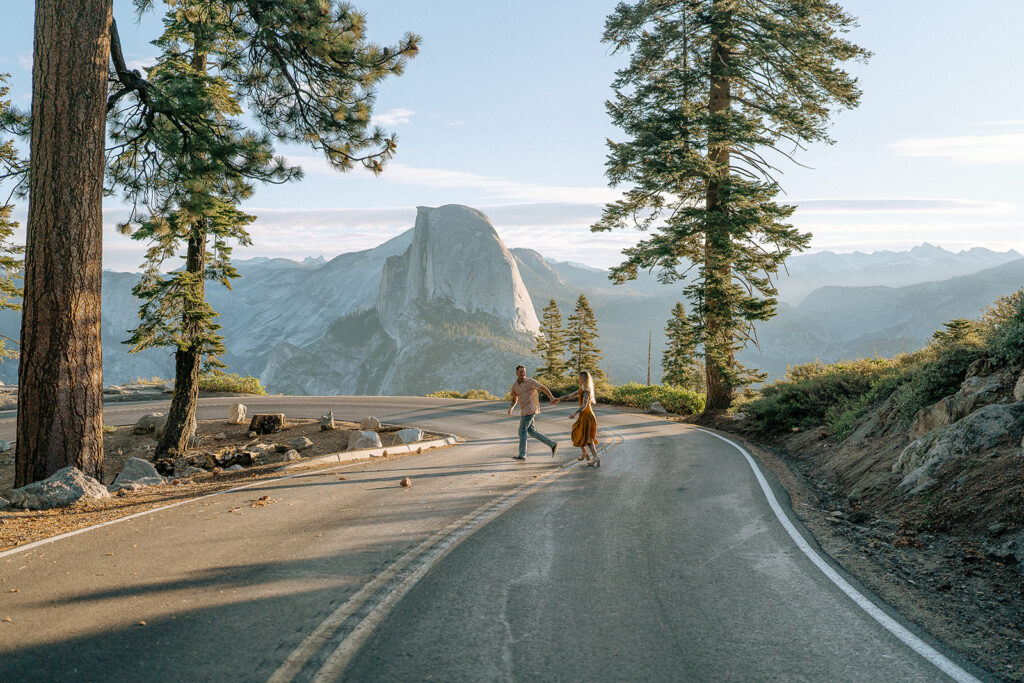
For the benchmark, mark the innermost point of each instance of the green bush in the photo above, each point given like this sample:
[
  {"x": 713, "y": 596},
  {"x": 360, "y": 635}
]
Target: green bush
[
  {"x": 821, "y": 393},
  {"x": 224, "y": 382},
  {"x": 445, "y": 393},
  {"x": 675, "y": 399},
  {"x": 480, "y": 395},
  {"x": 940, "y": 374},
  {"x": 474, "y": 394},
  {"x": 1003, "y": 329}
]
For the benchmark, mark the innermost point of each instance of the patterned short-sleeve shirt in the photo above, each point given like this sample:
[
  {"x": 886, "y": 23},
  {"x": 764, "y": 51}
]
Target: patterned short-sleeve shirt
[{"x": 526, "y": 392}]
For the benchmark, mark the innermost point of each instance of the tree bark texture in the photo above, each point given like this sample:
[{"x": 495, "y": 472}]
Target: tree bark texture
[
  {"x": 60, "y": 376},
  {"x": 717, "y": 268},
  {"x": 187, "y": 364}
]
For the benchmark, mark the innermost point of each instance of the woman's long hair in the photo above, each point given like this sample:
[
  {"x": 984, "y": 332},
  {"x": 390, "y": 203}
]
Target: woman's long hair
[{"x": 588, "y": 384}]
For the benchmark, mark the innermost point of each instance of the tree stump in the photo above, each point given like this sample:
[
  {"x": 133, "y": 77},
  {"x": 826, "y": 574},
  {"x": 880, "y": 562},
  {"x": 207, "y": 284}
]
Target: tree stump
[{"x": 266, "y": 424}]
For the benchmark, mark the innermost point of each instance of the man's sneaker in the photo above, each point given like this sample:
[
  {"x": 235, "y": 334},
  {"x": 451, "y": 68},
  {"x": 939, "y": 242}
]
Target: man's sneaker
[
  {"x": 554, "y": 449},
  {"x": 519, "y": 457}
]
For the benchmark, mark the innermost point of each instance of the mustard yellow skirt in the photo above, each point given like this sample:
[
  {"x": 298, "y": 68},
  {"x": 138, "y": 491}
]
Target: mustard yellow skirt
[{"x": 584, "y": 430}]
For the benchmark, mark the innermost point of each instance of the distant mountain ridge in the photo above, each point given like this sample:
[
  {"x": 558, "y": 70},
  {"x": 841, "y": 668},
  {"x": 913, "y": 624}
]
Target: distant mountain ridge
[
  {"x": 923, "y": 263},
  {"x": 445, "y": 305}
]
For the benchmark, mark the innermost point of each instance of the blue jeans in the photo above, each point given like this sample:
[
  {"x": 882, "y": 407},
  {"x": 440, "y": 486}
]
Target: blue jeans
[{"x": 526, "y": 427}]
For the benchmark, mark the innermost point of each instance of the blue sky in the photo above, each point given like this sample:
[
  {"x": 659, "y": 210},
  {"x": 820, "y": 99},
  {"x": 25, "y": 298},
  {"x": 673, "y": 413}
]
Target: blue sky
[{"x": 504, "y": 110}]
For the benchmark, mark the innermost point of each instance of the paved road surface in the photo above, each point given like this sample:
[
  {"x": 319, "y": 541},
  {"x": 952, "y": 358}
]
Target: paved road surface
[{"x": 667, "y": 563}]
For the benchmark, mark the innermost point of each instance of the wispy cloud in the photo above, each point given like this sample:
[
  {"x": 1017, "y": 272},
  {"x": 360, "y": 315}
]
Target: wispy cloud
[
  {"x": 393, "y": 117},
  {"x": 25, "y": 61},
  {"x": 495, "y": 188},
  {"x": 457, "y": 123},
  {"x": 998, "y": 148},
  {"x": 811, "y": 207}
]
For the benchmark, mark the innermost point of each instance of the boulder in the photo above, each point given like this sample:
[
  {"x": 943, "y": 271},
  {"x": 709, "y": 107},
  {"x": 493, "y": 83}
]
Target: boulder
[
  {"x": 360, "y": 440},
  {"x": 222, "y": 458},
  {"x": 236, "y": 414},
  {"x": 409, "y": 435},
  {"x": 1012, "y": 549},
  {"x": 136, "y": 472},
  {"x": 4, "y": 446},
  {"x": 264, "y": 450},
  {"x": 3, "y": 502},
  {"x": 368, "y": 423},
  {"x": 327, "y": 421},
  {"x": 234, "y": 468},
  {"x": 1018, "y": 389},
  {"x": 220, "y": 436},
  {"x": 185, "y": 468},
  {"x": 657, "y": 409},
  {"x": 301, "y": 443},
  {"x": 405, "y": 483},
  {"x": 62, "y": 488},
  {"x": 292, "y": 454},
  {"x": 147, "y": 423},
  {"x": 974, "y": 393},
  {"x": 267, "y": 423},
  {"x": 982, "y": 430}
]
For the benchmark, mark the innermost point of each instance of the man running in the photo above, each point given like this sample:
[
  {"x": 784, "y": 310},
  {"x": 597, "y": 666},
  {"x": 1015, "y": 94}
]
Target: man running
[{"x": 524, "y": 392}]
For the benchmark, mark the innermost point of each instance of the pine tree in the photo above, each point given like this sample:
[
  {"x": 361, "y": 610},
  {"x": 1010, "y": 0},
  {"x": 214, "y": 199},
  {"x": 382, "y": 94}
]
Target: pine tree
[
  {"x": 580, "y": 336},
  {"x": 185, "y": 158},
  {"x": 11, "y": 263},
  {"x": 551, "y": 344},
  {"x": 711, "y": 90},
  {"x": 60, "y": 380},
  {"x": 679, "y": 364}
]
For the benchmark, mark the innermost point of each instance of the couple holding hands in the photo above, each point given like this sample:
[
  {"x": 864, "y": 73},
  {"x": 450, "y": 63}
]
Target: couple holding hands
[{"x": 584, "y": 430}]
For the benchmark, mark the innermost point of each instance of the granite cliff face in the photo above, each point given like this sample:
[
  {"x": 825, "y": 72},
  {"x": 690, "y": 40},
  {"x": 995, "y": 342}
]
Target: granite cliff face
[
  {"x": 450, "y": 311},
  {"x": 457, "y": 258}
]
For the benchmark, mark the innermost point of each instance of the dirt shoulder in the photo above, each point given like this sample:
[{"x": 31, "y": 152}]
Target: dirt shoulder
[
  {"x": 19, "y": 527},
  {"x": 949, "y": 584}
]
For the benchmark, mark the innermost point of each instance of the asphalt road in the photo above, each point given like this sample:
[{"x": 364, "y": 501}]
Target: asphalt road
[{"x": 666, "y": 563}]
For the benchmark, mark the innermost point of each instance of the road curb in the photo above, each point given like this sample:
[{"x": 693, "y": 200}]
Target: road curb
[{"x": 363, "y": 454}]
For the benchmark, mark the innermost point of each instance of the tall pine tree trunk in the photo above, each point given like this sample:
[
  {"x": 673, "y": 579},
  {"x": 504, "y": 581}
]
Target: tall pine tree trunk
[
  {"x": 60, "y": 376},
  {"x": 718, "y": 353},
  {"x": 187, "y": 360}
]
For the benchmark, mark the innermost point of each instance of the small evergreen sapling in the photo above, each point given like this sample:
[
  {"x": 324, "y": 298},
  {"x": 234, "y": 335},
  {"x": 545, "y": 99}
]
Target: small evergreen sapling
[
  {"x": 551, "y": 344},
  {"x": 679, "y": 364},
  {"x": 580, "y": 338}
]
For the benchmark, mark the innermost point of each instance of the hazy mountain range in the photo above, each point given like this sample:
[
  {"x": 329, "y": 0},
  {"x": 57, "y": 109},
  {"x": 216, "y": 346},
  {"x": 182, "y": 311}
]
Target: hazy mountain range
[{"x": 446, "y": 305}]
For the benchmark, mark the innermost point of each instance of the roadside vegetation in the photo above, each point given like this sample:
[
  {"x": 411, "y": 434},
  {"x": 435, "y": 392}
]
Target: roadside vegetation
[
  {"x": 472, "y": 394},
  {"x": 674, "y": 399},
  {"x": 228, "y": 382},
  {"x": 838, "y": 394}
]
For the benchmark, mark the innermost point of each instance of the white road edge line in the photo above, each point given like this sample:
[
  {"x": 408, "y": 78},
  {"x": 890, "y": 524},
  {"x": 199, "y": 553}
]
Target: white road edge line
[
  {"x": 445, "y": 541},
  {"x": 922, "y": 648},
  {"x": 36, "y": 544}
]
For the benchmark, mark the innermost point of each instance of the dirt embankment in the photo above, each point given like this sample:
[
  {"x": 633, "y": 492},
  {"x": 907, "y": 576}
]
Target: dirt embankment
[
  {"x": 215, "y": 438},
  {"x": 929, "y": 516}
]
